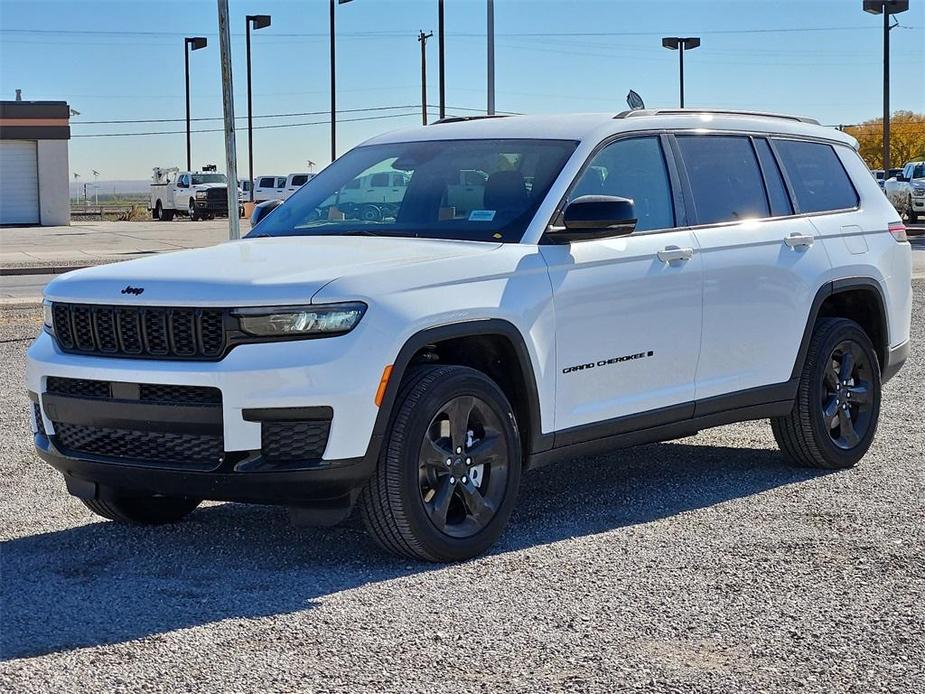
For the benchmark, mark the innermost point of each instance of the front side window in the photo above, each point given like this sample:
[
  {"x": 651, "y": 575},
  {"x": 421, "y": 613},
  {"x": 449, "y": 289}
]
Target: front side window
[
  {"x": 818, "y": 178},
  {"x": 343, "y": 198},
  {"x": 632, "y": 168},
  {"x": 724, "y": 177},
  {"x": 918, "y": 171},
  {"x": 267, "y": 182},
  {"x": 300, "y": 180}
]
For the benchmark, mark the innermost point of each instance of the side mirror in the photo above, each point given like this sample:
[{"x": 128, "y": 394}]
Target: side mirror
[
  {"x": 262, "y": 210},
  {"x": 901, "y": 178},
  {"x": 597, "y": 217}
]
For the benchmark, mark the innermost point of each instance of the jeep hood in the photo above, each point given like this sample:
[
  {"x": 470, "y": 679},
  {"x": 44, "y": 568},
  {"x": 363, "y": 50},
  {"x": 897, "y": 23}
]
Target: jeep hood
[{"x": 252, "y": 272}]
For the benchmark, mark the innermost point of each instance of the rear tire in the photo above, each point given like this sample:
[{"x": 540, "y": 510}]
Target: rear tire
[
  {"x": 167, "y": 215},
  {"x": 834, "y": 417},
  {"x": 158, "y": 212},
  {"x": 417, "y": 504},
  {"x": 142, "y": 510}
]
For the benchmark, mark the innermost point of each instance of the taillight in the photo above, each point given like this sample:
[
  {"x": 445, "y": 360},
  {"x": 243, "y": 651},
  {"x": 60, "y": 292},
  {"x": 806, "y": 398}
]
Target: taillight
[{"x": 898, "y": 229}]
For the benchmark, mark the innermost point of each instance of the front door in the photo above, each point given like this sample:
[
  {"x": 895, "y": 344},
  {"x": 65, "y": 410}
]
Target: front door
[{"x": 628, "y": 309}]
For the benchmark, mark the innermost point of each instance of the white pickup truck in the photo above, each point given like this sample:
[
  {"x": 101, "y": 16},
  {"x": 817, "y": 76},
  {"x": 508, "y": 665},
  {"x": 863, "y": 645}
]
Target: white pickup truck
[
  {"x": 907, "y": 190},
  {"x": 199, "y": 195}
]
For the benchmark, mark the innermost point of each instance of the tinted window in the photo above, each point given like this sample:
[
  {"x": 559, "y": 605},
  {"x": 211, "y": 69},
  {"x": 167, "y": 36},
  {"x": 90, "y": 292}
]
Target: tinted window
[
  {"x": 379, "y": 180},
  {"x": 777, "y": 192},
  {"x": 299, "y": 180},
  {"x": 267, "y": 182},
  {"x": 918, "y": 171},
  {"x": 818, "y": 179},
  {"x": 725, "y": 178},
  {"x": 634, "y": 169}
]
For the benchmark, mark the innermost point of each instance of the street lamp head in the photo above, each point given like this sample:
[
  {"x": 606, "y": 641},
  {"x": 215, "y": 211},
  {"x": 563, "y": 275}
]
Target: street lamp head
[
  {"x": 690, "y": 42},
  {"x": 671, "y": 42},
  {"x": 685, "y": 42},
  {"x": 259, "y": 21},
  {"x": 887, "y": 6},
  {"x": 343, "y": 2},
  {"x": 196, "y": 42}
]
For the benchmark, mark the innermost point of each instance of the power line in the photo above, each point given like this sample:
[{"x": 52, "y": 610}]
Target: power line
[
  {"x": 259, "y": 127},
  {"x": 268, "y": 115}
]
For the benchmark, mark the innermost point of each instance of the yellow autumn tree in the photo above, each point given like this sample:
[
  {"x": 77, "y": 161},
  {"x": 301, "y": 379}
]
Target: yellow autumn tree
[{"x": 907, "y": 139}]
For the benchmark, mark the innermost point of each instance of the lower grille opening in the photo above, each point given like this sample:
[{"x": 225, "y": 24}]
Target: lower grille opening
[
  {"x": 290, "y": 442},
  {"x": 187, "y": 450}
]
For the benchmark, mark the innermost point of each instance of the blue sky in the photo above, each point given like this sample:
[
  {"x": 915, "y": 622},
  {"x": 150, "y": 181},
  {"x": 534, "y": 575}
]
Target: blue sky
[{"x": 121, "y": 60}]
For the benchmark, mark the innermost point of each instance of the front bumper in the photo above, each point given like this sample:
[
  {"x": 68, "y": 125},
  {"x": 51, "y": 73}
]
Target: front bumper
[
  {"x": 332, "y": 485},
  {"x": 212, "y": 206}
]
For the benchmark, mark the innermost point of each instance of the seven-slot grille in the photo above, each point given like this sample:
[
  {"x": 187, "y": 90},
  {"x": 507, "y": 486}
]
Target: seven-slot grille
[{"x": 165, "y": 333}]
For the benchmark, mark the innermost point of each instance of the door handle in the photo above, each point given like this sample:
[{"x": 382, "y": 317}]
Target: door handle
[
  {"x": 797, "y": 240},
  {"x": 672, "y": 253}
]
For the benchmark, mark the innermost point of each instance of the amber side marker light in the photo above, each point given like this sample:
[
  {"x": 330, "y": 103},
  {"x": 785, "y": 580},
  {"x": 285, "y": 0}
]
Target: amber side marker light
[{"x": 383, "y": 384}]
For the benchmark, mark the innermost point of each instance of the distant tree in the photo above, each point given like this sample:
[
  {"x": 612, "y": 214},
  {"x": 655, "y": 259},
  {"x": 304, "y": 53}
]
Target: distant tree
[{"x": 907, "y": 138}]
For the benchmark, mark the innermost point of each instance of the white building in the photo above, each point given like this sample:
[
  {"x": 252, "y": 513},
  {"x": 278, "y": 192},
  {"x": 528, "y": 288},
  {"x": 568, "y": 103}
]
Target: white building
[{"x": 33, "y": 163}]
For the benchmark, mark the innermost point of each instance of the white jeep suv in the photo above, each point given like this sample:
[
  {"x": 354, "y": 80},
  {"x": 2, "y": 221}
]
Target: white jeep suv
[{"x": 607, "y": 281}]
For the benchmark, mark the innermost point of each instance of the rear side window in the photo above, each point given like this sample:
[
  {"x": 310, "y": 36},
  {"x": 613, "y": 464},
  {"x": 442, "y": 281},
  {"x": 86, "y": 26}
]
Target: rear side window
[
  {"x": 300, "y": 180},
  {"x": 818, "y": 179},
  {"x": 724, "y": 177},
  {"x": 777, "y": 192},
  {"x": 267, "y": 182}
]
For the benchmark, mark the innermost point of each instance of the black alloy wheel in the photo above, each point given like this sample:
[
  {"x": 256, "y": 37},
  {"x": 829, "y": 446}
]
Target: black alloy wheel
[
  {"x": 847, "y": 402},
  {"x": 463, "y": 467},
  {"x": 446, "y": 481},
  {"x": 834, "y": 416}
]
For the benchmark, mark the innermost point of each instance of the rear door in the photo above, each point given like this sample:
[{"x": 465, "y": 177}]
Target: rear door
[
  {"x": 762, "y": 264},
  {"x": 627, "y": 309}
]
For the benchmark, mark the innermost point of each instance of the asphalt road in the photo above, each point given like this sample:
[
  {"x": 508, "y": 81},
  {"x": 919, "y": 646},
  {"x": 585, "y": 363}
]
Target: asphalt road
[{"x": 702, "y": 565}]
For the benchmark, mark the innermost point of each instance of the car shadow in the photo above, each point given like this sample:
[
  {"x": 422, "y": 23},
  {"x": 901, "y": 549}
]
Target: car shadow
[{"x": 105, "y": 583}]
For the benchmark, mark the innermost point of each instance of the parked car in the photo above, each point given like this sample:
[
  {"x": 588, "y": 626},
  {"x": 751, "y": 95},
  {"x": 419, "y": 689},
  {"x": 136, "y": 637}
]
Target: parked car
[
  {"x": 270, "y": 187},
  {"x": 664, "y": 272},
  {"x": 882, "y": 176},
  {"x": 907, "y": 190},
  {"x": 196, "y": 194},
  {"x": 295, "y": 181}
]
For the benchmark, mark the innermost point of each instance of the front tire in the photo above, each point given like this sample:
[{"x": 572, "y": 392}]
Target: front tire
[
  {"x": 447, "y": 479},
  {"x": 834, "y": 417},
  {"x": 912, "y": 215},
  {"x": 193, "y": 214},
  {"x": 142, "y": 510}
]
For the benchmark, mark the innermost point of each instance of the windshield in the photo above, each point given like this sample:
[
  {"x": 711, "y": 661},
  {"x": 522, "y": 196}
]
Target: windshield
[
  {"x": 199, "y": 179},
  {"x": 476, "y": 190}
]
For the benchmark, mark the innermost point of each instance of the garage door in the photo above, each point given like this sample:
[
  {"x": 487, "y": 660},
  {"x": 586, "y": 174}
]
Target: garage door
[{"x": 19, "y": 182}]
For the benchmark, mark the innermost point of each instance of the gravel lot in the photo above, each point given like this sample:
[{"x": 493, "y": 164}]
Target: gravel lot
[{"x": 705, "y": 564}]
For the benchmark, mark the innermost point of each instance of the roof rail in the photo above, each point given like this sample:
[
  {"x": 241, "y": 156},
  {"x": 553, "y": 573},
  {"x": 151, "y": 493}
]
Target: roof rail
[
  {"x": 463, "y": 119},
  {"x": 717, "y": 111}
]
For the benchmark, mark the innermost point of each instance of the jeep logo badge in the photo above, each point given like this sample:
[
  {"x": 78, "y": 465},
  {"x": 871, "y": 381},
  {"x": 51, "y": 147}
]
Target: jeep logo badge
[{"x": 135, "y": 291}]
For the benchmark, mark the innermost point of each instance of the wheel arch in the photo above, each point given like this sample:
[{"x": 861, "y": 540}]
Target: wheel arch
[
  {"x": 492, "y": 339},
  {"x": 859, "y": 298}
]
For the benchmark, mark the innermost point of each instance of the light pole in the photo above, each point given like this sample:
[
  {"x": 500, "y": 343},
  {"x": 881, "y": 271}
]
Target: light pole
[
  {"x": 490, "y": 30},
  {"x": 257, "y": 21},
  {"x": 333, "y": 85},
  {"x": 886, "y": 8},
  {"x": 193, "y": 43},
  {"x": 441, "y": 55},
  {"x": 681, "y": 44},
  {"x": 422, "y": 39}
]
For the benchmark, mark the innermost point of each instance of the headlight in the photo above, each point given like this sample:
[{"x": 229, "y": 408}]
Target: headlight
[
  {"x": 296, "y": 321},
  {"x": 201, "y": 195},
  {"x": 49, "y": 317}
]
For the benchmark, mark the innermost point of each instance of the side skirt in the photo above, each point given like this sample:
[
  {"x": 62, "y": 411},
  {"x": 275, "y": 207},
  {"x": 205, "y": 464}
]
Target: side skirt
[{"x": 669, "y": 423}]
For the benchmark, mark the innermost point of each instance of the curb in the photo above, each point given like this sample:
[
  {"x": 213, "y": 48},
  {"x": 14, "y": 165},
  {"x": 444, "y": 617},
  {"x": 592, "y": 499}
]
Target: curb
[{"x": 40, "y": 270}]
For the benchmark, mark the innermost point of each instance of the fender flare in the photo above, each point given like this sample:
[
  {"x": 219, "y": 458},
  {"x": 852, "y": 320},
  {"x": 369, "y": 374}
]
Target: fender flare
[
  {"x": 483, "y": 327},
  {"x": 830, "y": 289}
]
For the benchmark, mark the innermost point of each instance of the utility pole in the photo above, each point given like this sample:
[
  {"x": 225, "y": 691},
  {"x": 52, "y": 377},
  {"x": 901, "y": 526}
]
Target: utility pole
[
  {"x": 441, "y": 55},
  {"x": 491, "y": 57},
  {"x": 422, "y": 39},
  {"x": 231, "y": 157},
  {"x": 334, "y": 83}
]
